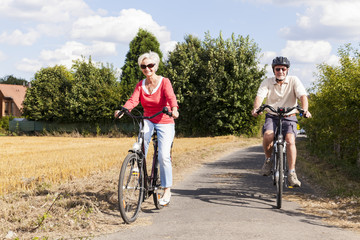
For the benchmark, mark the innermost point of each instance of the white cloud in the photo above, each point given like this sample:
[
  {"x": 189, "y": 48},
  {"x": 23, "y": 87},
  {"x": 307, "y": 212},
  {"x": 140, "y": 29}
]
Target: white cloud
[
  {"x": 102, "y": 12},
  {"x": 53, "y": 29},
  {"x": 167, "y": 47},
  {"x": 83, "y": 32},
  {"x": 307, "y": 51},
  {"x": 44, "y": 10},
  {"x": 120, "y": 29},
  {"x": 66, "y": 54},
  {"x": 29, "y": 65},
  {"x": 330, "y": 19},
  {"x": 17, "y": 37},
  {"x": 341, "y": 14},
  {"x": 322, "y": 19},
  {"x": 48, "y": 17},
  {"x": 333, "y": 60}
]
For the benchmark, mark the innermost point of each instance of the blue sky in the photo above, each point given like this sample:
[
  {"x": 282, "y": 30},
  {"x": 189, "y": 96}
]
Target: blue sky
[{"x": 41, "y": 33}]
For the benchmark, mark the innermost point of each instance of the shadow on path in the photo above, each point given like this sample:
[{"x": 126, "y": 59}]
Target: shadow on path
[{"x": 235, "y": 181}]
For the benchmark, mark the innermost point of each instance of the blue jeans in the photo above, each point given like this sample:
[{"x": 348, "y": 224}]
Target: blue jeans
[{"x": 166, "y": 134}]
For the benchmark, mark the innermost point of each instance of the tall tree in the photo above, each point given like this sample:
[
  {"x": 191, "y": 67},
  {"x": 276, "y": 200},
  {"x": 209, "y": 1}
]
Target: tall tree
[
  {"x": 95, "y": 92},
  {"x": 46, "y": 99},
  {"x": 143, "y": 42},
  {"x": 215, "y": 82}
]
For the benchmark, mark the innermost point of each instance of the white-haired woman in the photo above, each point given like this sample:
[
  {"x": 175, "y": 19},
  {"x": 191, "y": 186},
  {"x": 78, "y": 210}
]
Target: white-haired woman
[{"x": 155, "y": 92}]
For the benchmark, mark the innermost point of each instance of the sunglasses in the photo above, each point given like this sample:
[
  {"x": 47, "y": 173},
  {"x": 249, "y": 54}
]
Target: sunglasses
[
  {"x": 278, "y": 69},
  {"x": 151, "y": 65}
]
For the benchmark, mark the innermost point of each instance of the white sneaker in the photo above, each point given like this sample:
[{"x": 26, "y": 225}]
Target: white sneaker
[{"x": 165, "y": 200}]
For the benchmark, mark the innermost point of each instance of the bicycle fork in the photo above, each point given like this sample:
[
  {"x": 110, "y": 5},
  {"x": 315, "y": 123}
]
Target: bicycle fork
[{"x": 276, "y": 172}]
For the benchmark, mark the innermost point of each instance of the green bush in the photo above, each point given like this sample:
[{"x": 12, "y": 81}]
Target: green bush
[
  {"x": 4, "y": 122},
  {"x": 334, "y": 130}
]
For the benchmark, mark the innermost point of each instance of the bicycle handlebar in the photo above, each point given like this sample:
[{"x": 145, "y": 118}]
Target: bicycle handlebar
[
  {"x": 281, "y": 111},
  {"x": 123, "y": 110}
]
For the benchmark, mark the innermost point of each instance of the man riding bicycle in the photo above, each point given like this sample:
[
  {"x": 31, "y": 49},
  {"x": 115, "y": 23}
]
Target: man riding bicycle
[{"x": 281, "y": 91}]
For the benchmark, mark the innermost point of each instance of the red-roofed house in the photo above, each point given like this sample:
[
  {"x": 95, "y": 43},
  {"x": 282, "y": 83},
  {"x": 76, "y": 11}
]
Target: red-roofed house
[{"x": 11, "y": 99}]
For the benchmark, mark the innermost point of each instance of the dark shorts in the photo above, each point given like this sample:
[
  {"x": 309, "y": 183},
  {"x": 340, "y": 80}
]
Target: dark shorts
[{"x": 289, "y": 124}]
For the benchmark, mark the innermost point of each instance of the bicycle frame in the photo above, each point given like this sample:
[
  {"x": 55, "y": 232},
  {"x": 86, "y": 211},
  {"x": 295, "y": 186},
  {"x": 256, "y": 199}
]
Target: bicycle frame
[
  {"x": 279, "y": 151},
  {"x": 139, "y": 149},
  {"x": 279, "y": 140},
  {"x": 149, "y": 185}
]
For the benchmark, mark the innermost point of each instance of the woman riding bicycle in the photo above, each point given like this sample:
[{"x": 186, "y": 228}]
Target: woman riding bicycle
[
  {"x": 155, "y": 92},
  {"x": 281, "y": 91}
]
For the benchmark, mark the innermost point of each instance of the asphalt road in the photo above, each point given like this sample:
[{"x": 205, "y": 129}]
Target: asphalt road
[{"x": 229, "y": 199}]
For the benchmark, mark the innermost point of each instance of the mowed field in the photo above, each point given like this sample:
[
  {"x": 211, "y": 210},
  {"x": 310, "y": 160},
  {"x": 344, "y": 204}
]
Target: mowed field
[{"x": 27, "y": 162}]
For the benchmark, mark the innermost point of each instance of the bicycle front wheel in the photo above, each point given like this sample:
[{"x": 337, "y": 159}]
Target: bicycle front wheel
[
  {"x": 130, "y": 189},
  {"x": 280, "y": 177}
]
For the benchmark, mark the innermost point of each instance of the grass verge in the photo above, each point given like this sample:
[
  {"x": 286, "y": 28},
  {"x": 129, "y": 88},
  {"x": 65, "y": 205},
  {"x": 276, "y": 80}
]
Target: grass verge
[{"x": 338, "y": 193}]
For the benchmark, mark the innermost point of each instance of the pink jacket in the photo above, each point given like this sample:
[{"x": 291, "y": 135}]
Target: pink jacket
[{"x": 163, "y": 96}]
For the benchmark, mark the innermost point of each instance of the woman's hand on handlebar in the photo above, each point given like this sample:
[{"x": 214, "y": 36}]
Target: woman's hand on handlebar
[
  {"x": 175, "y": 113},
  {"x": 119, "y": 113}
]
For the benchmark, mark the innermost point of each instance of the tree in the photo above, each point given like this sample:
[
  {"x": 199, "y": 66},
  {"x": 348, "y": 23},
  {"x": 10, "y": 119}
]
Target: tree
[
  {"x": 88, "y": 93},
  {"x": 215, "y": 82},
  {"x": 10, "y": 79},
  {"x": 46, "y": 99},
  {"x": 335, "y": 98},
  {"x": 95, "y": 93},
  {"x": 131, "y": 74}
]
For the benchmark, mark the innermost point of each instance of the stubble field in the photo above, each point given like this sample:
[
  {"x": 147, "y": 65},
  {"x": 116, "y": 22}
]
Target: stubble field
[{"x": 64, "y": 187}]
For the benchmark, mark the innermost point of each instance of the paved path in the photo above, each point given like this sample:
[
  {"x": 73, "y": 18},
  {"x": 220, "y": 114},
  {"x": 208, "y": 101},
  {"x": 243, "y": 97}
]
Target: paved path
[{"x": 228, "y": 199}]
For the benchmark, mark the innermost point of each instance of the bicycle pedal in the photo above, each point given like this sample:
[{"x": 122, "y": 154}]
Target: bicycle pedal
[{"x": 290, "y": 187}]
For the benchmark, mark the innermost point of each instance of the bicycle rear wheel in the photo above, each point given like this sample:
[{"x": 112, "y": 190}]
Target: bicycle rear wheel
[
  {"x": 157, "y": 192},
  {"x": 280, "y": 177},
  {"x": 130, "y": 188}
]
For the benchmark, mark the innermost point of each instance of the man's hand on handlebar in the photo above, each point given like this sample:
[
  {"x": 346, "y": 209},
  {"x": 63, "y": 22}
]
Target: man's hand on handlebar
[
  {"x": 282, "y": 111},
  {"x": 255, "y": 112},
  {"x": 307, "y": 114}
]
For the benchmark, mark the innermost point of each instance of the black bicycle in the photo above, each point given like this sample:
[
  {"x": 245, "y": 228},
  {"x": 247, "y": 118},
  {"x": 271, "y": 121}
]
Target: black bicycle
[
  {"x": 279, "y": 157},
  {"x": 135, "y": 184}
]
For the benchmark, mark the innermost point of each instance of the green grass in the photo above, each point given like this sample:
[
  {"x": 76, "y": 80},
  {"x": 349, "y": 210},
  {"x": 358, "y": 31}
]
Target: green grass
[{"x": 332, "y": 178}]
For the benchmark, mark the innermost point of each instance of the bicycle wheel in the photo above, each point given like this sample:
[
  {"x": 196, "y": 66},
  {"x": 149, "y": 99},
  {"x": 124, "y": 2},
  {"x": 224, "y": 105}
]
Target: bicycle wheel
[
  {"x": 130, "y": 189},
  {"x": 157, "y": 192},
  {"x": 280, "y": 177}
]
